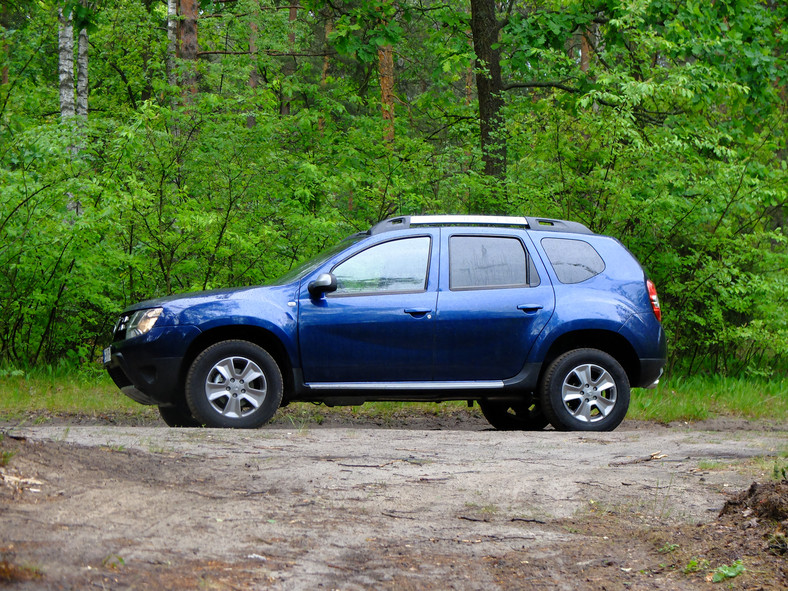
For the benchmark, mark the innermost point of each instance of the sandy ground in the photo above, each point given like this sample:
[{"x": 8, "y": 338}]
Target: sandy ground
[{"x": 359, "y": 506}]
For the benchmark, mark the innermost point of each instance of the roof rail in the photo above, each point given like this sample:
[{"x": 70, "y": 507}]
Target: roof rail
[{"x": 409, "y": 221}]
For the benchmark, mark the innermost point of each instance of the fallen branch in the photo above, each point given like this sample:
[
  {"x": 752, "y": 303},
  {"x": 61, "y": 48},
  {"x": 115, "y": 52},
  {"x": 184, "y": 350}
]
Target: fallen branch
[
  {"x": 396, "y": 516},
  {"x": 657, "y": 455},
  {"x": 527, "y": 520},
  {"x": 368, "y": 465}
]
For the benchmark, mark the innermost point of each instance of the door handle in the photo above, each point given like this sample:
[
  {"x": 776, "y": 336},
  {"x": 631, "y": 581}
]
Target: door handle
[
  {"x": 419, "y": 312},
  {"x": 530, "y": 308}
]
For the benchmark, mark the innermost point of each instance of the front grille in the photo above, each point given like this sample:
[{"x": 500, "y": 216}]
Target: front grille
[{"x": 119, "y": 330}]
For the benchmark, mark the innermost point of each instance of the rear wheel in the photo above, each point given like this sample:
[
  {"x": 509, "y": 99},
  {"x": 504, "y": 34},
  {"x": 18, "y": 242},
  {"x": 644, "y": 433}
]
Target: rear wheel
[
  {"x": 514, "y": 416},
  {"x": 234, "y": 384},
  {"x": 585, "y": 390}
]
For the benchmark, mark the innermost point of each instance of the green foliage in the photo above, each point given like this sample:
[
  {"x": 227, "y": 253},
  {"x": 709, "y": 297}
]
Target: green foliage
[
  {"x": 724, "y": 572},
  {"x": 780, "y": 472},
  {"x": 5, "y": 455},
  {"x": 664, "y": 141},
  {"x": 669, "y": 135},
  {"x": 695, "y": 565}
]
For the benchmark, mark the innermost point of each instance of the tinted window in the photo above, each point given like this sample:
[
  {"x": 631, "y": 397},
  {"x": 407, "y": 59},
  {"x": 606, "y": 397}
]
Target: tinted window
[
  {"x": 396, "y": 266},
  {"x": 573, "y": 260},
  {"x": 486, "y": 261}
]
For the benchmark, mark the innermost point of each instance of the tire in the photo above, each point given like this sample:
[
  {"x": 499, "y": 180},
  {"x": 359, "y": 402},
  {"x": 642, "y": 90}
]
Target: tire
[
  {"x": 178, "y": 416},
  {"x": 234, "y": 384},
  {"x": 514, "y": 416},
  {"x": 585, "y": 390}
]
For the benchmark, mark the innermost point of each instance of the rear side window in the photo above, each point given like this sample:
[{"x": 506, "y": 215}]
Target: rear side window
[
  {"x": 477, "y": 262},
  {"x": 573, "y": 260}
]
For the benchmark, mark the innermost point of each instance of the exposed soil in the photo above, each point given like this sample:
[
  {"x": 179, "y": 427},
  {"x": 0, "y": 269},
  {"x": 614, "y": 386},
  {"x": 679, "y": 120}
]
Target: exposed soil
[{"x": 426, "y": 502}]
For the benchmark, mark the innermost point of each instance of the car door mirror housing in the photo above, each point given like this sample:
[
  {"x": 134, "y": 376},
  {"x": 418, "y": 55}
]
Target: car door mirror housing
[{"x": 323, "y": 284}]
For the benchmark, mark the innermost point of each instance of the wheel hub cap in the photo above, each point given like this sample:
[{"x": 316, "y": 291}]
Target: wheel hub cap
[
  {"x": 589, "y": 393},
  {"x": 235, "y": 387}
]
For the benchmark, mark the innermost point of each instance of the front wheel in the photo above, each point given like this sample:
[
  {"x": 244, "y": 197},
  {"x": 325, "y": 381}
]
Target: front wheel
[
  {"x": 234, "y": 384},
  {"x": 514, "y": 416},
  {"x": 178, "y": 416},
  {"x": 585, "y": 390}
]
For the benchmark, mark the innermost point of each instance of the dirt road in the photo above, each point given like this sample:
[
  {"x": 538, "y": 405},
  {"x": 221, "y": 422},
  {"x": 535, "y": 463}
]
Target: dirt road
[{"x": 353, "y": 507}]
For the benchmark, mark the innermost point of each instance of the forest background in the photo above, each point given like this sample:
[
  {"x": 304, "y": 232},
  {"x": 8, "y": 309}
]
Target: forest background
[{"x": 156, "y": 146}]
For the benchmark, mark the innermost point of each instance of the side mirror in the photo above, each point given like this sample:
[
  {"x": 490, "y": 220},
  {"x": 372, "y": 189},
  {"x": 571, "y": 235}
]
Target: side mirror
[{"x": 325, "y": 283}]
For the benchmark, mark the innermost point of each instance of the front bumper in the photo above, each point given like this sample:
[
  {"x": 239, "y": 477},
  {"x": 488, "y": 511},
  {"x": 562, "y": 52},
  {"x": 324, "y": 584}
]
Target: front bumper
[{"x": 149, "y": 369}]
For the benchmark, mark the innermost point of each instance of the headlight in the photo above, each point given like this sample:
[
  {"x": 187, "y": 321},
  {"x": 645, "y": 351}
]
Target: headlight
[{"x": 142, "y": 321}]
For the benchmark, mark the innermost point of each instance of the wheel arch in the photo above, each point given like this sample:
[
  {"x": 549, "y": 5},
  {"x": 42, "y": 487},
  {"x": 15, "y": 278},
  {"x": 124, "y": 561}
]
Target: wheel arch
[
  {"x": 254, "y": 334},
  {"x": 610, "y": 342}
]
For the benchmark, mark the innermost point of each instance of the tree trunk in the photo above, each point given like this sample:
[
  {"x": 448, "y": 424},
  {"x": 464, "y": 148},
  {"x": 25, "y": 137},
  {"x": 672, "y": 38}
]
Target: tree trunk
[
  {"x": 5, "y": 51},
  {"x": 66, "y": 65},
  {"x": 485, "y": 28},
  {"x": 386, "y": 69},
  {"x": 172, "y": 40},
  {"x": 188, "y": 48},
  {"x": 82, "y": 75},
  {"x": 251, "y": 120},
  {"x": 329, "y": 27},
  {"x": 6, "y": 58},
  {"x": 289, "y": 67}
]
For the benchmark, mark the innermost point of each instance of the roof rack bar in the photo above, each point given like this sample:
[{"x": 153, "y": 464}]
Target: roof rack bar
[
  {"x": 484, "y": 220},
  {"x": 532, "y": 223}
]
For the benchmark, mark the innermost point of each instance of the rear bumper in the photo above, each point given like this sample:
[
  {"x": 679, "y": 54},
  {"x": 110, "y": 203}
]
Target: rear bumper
[{"x": 650, "y": 372}]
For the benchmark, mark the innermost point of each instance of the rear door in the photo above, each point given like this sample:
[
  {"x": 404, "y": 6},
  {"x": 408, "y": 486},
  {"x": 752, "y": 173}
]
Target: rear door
[{"x": 493, "y": 301}]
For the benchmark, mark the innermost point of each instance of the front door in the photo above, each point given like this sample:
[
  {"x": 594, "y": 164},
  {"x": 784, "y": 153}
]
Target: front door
[{"x": 378, "y": 326}]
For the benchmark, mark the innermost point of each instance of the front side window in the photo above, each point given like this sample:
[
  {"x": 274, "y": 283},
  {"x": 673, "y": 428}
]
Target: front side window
[
  {"x": 395, "y": 266},
  {"x": 477, "y": 262},
  {"x": 574, "y": 261}
]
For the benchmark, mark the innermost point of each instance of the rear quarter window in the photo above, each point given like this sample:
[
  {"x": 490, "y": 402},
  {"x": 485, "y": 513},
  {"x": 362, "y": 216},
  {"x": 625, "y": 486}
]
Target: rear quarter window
[{"x": 574, "y": 261}]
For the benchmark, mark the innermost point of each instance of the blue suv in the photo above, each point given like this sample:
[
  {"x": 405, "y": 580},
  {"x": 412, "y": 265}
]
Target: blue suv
[{"x": 538, "y": 320}]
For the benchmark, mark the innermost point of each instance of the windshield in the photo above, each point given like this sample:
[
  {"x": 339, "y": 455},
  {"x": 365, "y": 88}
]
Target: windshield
[{"x": 310, "y": 265}]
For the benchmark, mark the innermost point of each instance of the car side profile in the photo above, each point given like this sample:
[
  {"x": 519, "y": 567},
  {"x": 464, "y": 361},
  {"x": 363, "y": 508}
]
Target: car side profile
[{"x": 540, "y": 321}]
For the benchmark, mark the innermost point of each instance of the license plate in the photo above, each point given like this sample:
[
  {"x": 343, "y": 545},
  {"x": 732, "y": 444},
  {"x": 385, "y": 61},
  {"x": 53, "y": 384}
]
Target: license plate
[{"x": 107, "y": 355}]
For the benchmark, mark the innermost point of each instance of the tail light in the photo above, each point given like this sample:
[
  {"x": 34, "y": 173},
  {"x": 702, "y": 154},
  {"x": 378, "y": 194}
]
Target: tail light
[{"x": 652, "y": 295}]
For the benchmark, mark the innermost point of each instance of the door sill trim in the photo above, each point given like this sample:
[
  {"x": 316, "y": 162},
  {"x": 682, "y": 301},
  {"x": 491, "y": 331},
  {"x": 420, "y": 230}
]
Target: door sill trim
[{"x": 466, "y": 385}]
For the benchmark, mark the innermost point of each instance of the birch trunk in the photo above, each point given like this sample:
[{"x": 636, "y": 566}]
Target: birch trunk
[
  {"x": 82, "y": 75},
  {"x": 66, "y": 65}
]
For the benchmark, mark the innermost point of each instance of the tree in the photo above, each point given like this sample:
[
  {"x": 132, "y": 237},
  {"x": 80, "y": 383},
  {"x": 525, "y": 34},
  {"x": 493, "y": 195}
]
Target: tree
[
  {"x": 66, "y": 62},
  {"x": 660, "y": 122},
  {"x": 489, "y": 87},
  {"x": 188, "y": 47},
  {"x": 4, "y": 46}
]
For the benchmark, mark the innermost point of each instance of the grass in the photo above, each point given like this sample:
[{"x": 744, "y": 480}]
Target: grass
[
  {"x": 65, "y": 393},
  {"x": 703, "y": 397},
  {"x": 92, "y": 393}
]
